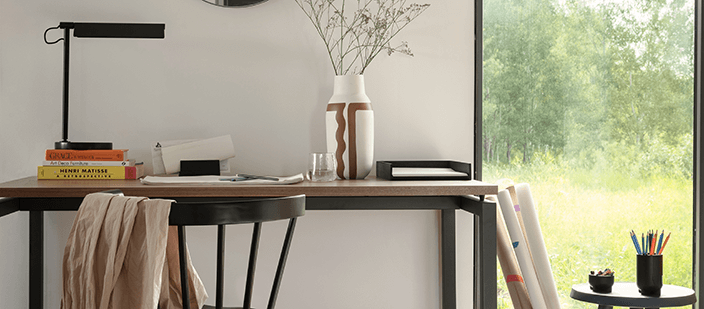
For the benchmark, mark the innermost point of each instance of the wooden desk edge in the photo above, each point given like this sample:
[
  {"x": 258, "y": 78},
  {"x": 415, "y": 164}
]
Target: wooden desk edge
[{"x": 31, "y": 187}]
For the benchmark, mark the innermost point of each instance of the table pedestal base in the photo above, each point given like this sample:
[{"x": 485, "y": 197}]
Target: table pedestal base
[{"x": 625, "y": 294}]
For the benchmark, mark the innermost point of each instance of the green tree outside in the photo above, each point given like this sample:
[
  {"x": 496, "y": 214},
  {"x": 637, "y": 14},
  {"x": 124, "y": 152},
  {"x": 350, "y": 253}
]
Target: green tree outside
[{"x": 591, "y": 103}]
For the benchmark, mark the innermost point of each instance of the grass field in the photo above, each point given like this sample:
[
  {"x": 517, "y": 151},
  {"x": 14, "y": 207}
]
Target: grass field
[{"x": 586, "y": 217}]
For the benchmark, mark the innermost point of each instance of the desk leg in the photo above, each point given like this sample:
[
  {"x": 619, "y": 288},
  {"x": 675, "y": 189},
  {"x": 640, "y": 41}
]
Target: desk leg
[
  {"x": 485, "y": 252},
  {"x": 36, "y": 259},
  {"x": 449, "y": 263}
]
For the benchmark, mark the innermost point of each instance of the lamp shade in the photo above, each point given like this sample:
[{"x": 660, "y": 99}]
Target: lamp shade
[{"x": 115, "y": 30}]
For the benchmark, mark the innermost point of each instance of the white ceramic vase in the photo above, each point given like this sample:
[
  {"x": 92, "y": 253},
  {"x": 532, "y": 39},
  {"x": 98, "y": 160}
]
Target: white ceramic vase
[{"x": 349, "y": 122}]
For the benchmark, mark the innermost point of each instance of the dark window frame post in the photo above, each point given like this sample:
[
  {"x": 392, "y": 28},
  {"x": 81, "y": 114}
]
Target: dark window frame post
[
  {"x": 698, "y": 167},
  {"x": 478, "y": 73}
]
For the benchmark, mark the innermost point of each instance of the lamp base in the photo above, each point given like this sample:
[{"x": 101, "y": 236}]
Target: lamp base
[{"x": 83, "y": 145}]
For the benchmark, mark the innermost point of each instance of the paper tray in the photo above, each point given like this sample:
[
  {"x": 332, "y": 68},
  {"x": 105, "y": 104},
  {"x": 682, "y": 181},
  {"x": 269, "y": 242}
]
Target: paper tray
[{"x": 423, "y": 170}]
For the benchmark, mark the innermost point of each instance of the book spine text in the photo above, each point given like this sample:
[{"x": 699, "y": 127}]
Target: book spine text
[
  {"x": 89, "y": 163},
  {"x": 85, "y": 155},
  {"x": 89, "y": 172}
]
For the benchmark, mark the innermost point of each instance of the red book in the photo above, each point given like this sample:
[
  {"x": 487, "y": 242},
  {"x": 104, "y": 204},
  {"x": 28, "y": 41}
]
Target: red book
[{"x": 86, "y": 155}]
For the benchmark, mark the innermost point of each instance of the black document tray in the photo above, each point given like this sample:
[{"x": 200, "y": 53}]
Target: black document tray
[{"x": 384, "y": 169}]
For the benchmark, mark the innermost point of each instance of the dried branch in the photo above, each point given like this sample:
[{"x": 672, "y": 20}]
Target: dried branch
[{"x": 354, "y": 38}]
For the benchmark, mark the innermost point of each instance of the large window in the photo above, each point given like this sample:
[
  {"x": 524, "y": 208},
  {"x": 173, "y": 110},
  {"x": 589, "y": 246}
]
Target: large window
[{"x": 591, "y": 103}]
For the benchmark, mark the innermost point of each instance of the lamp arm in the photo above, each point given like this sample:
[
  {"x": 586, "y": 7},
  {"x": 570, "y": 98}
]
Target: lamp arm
[{"x": 67, "y": 44}]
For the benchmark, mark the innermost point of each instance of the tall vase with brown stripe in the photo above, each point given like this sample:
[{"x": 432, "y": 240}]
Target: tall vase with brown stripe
[{"x": 349, "y": 122}]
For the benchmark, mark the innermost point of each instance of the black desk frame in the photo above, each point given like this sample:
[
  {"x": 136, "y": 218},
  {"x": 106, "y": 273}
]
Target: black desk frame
[{"x": 484, "y": 236}]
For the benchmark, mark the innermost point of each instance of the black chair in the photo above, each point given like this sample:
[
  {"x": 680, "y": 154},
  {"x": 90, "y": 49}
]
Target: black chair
[{"x": 236, "y": 211}]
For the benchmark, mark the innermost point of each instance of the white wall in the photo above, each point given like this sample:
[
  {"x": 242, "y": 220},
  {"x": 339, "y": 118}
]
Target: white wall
[{"x": 261, "y": 75}]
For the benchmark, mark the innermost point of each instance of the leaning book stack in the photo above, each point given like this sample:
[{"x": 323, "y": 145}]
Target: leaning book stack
[{"x": 89, "y": 164}]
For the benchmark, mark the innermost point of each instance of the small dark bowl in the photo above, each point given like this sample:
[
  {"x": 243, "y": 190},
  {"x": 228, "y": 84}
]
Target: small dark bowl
[{"x": 601, "y": 284}]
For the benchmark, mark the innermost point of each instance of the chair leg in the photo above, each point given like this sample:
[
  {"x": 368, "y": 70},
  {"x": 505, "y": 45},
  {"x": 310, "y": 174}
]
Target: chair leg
[
  {"x": 220, "y": 266},
  {"x": 282, "y": 263},
  {"x": 182, "y": 266},
  {"x": 252, "y": 266}
]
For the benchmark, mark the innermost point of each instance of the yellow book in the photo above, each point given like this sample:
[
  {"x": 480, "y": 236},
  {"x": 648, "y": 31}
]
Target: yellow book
[{"x": 90, "y": 172}]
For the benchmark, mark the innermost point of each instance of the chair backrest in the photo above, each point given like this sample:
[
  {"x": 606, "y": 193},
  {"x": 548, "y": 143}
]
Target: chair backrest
[{"x": 237, "y": 211}]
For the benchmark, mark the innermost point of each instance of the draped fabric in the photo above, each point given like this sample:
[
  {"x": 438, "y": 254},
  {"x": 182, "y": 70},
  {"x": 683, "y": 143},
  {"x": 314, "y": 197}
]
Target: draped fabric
[{"x": 121, "y": 253}]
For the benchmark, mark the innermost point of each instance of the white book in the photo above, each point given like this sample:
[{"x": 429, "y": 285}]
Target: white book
[{"x": 90, "y": 163}]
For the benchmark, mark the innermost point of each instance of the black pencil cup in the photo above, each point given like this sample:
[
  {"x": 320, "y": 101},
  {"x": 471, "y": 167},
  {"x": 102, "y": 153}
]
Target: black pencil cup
[
  {"x": 649, "y": 274},
  {"x": 601, "y": 284}
]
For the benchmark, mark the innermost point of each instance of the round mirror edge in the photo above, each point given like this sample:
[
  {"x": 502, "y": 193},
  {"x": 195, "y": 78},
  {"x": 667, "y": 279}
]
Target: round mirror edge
[{"x": 257, "y": 2}]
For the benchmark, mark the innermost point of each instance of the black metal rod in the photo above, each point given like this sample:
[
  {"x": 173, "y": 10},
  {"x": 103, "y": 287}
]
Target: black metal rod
[
  {"x": 252, "y": 266},
  {"x": 484, "y": 249},
  {"x": 282, "y": 264},
  {"x": 220, "y": 267},
  {"x": 448, "y": 258},
  {"x": 489, "y": 251},
  {"x": 36, "y": 259},
  {"x": 182, "y": 266},
  {"x": 67, "y": 46},
  {"x": 479, "y": 270},
  {"x": 485, "y": 257}
]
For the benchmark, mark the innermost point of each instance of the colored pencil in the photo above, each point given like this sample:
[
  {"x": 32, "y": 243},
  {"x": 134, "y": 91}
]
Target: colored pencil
[
  {"x": 650, "y": 242},
  {"x": 642, "y": 238},
  {"x": 665, "y": 243},
  {"x": 662, "y": 235},
  {"x": 635, "y": 241}
]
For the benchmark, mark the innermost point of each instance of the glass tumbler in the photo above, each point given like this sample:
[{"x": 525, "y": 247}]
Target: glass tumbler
[{"x": 321, "y": 167}]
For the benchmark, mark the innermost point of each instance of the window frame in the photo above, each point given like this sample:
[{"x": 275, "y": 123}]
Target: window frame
[
  {"x": 697, "y": 257},
  {"x": 698, "y": 168}
]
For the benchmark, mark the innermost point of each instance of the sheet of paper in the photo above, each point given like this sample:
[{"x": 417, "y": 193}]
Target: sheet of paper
[
  {"x": 424, "y": 172},
  {"x": 157, "y": 161},
  {"x": 167, "y": 155},
  {"x": 218, "y": 180}
]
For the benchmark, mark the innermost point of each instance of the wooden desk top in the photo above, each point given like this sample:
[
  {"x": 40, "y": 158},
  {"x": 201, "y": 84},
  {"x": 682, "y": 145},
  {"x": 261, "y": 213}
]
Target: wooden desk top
[{"x": 32, "y": 187}]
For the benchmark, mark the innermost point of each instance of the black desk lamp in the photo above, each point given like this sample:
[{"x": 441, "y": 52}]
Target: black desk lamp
[{"x": 96, "y": 30}]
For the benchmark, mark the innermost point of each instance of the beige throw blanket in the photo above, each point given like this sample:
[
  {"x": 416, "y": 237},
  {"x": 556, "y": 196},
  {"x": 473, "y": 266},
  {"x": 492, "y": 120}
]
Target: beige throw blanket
[{"x": 121, "y": 253}]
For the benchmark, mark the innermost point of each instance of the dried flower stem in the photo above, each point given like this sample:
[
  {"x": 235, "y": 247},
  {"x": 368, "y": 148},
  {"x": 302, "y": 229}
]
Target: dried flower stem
[{"x": 353, "y": 39}]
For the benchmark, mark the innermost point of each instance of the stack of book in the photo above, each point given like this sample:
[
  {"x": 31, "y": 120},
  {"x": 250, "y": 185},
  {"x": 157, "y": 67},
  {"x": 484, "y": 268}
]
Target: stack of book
[{"x": 89, "y": 164}]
